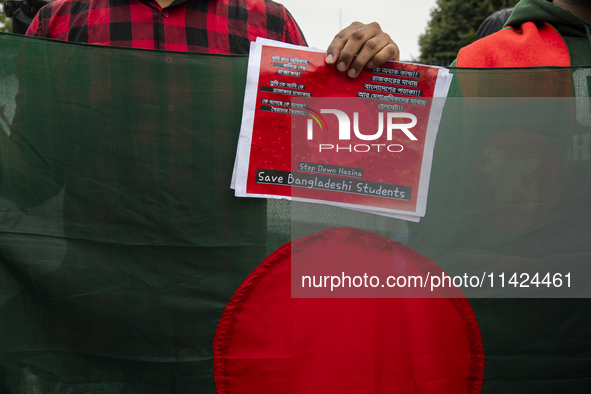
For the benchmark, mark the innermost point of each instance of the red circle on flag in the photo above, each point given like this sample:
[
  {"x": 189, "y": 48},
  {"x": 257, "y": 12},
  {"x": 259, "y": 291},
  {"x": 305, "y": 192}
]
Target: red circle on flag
[{"x": 269, "y": 342}]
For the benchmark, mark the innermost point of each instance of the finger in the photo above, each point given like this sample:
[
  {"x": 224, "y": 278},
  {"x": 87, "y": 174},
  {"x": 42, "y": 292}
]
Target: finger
[
  {"x": 357, "y": 39},
  {"x": 336, "y": 46},
  {"x": 374, "y": 52},
  {"x": 369, "y": 50},
  {"x": 387, "y": 52}
]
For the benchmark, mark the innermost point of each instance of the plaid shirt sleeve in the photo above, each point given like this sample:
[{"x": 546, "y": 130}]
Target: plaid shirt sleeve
[
  {"x": 293, "y": 33},
  {"x": 211, "y": 26}
]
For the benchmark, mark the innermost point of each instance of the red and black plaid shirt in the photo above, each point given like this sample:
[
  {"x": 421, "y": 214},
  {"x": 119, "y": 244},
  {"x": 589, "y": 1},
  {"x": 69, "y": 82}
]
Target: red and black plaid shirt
[{"x": 213, "y": 26}]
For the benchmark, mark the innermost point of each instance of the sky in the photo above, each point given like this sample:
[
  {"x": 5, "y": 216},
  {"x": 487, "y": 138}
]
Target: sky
[{"x": 403, "y": 20}]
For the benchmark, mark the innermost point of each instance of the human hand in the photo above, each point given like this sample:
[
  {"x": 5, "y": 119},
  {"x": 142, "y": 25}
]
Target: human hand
[{"x": 372, "y": 46}]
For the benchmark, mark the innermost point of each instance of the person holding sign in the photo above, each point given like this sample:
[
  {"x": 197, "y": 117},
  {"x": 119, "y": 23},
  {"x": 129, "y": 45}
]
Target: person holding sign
[{"x": 224, "y": 26}]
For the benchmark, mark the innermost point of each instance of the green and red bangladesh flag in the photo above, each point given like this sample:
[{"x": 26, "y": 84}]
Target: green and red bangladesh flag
[{"x": 127, "y": 265}]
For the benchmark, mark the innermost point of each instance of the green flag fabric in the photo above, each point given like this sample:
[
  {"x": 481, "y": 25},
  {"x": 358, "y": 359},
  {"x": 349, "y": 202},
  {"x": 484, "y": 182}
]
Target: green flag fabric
[
  {"x": 509, "y": 195},
  {"x": 121, "y": 242}
]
